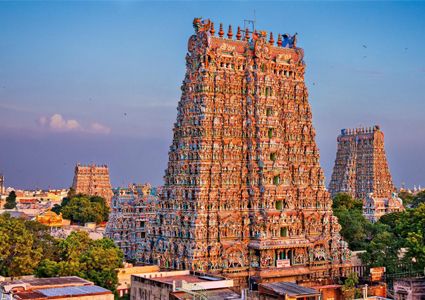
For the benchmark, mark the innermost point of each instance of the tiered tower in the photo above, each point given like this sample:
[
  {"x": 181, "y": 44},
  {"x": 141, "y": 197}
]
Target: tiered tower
[
  {"x": 244, "y": 192},
  {"x": 361, "y": 170},
  {"x": 93, "y": 180},
  {"x": 130, "y": 220}
]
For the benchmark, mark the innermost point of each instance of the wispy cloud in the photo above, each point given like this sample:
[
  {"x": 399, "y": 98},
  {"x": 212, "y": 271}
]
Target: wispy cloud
[
  {"x": 58, "y": 123},
  {"x": 99, "y": 128}
]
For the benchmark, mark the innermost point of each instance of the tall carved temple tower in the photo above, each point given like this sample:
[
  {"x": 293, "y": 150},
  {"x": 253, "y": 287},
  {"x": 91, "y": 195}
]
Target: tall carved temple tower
[
  {"x": 361, "y": 170},
  {"x": 244, "y": 192},
  {"x": 93, "y": 180}
]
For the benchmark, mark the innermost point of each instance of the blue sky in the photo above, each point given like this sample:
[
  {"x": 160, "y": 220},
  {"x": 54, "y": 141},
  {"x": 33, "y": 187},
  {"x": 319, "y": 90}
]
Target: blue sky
[{"x": 100, "y": 81}]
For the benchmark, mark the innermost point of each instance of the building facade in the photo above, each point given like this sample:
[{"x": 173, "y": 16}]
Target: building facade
[
  {"x": 172, "y": 284},
  {"x": 244, "y": 192},
  {"x": 361, "y": 170},
  {"x": 409, "y": 288},
  {"x": 93, "y": 180},
  {"x": 130, "y": 220}
]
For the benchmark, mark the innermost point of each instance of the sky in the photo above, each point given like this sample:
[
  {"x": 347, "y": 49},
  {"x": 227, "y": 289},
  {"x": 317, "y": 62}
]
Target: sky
[{"x": 99, "y": 82}]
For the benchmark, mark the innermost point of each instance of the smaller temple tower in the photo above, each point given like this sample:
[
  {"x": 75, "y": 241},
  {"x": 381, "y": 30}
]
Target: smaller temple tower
[
  {"x": 361, "y": 170},
  {"x": 131, "y": 220},
  {"x": 93, "y": 180}
]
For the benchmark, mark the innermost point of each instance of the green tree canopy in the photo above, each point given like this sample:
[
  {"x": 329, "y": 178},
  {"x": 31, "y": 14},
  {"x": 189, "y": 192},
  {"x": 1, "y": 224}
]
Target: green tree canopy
[
  {"x": 19, "y": 251},
  {"x": 10, "y": 201},
  {"x": 82, "y": 209},
  {"x": 345, "y": 201},
  {"x": 95, "y": 260},
  {"x": 418, "y": 199},
  {"x": 355, "y": 228}
]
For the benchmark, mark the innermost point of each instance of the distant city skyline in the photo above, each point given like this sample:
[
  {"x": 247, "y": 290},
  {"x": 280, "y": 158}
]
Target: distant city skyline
[{"x": 99, "y": 82}]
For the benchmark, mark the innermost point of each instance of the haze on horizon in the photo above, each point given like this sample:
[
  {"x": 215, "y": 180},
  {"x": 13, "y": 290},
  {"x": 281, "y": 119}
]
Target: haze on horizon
[{"x": 99, "y": 82}]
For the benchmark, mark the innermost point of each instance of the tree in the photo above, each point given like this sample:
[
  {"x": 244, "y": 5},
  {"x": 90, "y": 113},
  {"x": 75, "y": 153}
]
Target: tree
[
  {"x": 391, "y": 220},
  {"x": 95, "y": 260},
  {"x": 10, "y": 201},
  {"x": 19, "y": 253},
  {"x": 345, "y": 201},
  {"x": 418, "y": 199},
  {"x": 411, "y": 227},
  {"x": 382, "y": 251},
  {"x": 43, "y": 239},
  {"x": 82, "y": 209},
  {"x": 407, "y": 198},
  {"x": 355, "y": 228},
  {"x": 349, "y": 286},
  {"x": 47, "y": 268}
]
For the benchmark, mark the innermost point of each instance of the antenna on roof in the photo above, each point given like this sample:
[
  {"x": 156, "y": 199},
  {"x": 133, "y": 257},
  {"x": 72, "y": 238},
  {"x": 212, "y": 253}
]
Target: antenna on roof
[{"x": 249, "y": 23}]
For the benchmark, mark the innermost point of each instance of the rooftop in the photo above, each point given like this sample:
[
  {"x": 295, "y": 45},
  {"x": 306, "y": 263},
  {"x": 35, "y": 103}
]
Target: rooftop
[
  {"x": 290, "y": 289},
  {"x": 61, "y": 292},
  {"x": 42, "y": 283},
  {"x": 217, "y": 294},
  {"x": 187, "y": 278}
]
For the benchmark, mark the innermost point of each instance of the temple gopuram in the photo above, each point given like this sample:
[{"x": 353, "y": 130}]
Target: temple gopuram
[
  {"x": 130, "y": 220},
  {"x": 93, "y": 180},
  {"x": 361, "y": 170},
  {"x": 244, "y": 192}
]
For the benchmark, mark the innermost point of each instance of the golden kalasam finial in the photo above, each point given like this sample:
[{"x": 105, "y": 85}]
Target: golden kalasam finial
[
  {"x": 221, "y": 32},
  {"x": 271, "y": 41},
  {"x": 212, "y": 30},
  {"x": 238, "y": 34},
  {"x": 279, "y": 40},
  {"x": 230, "y": 32}
]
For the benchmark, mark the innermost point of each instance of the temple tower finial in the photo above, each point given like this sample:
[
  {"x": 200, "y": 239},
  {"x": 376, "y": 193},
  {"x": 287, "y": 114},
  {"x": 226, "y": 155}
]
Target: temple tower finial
[
  {"x": 238, "y": 34},
  {"x": 246, "y": 34},
  {"x": 230, "y": 32},
  {"x": 212, "y": 30},
  {"x": 221, "y": 32},
  {"x": 271, "y": 41}
]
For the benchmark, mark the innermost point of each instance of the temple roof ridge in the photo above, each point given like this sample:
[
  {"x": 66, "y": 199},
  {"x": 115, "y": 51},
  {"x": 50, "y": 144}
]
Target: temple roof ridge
[
  {"x": 360, "y": 130},
  {"x": 284, "y": 40}
]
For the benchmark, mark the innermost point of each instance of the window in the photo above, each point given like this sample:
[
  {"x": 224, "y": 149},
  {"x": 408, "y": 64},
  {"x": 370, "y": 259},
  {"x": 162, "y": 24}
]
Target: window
[
  {"x": 270, "y": 133},
  {"x": 273, "y": 156},
  {"x": 276, "y": 180},
  {"x": 283, "y": 232},
  {"x": 278, "y": 205},
  {"x": 269, "y": 111}
]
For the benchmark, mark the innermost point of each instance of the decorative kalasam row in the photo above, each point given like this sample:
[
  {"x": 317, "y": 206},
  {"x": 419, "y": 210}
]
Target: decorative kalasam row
[
  {"x": 131, "y": 218},
  {"x": 283, "y": 40},
  {"x": 244, "y": 190},
  {"x": 93, "y": 180},
  {"x": 361, "y": 170}
]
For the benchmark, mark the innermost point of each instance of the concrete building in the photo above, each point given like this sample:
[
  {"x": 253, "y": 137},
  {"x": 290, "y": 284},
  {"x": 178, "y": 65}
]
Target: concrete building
[
  {"x": 124, "y": 276},
  {"x": 409, "y": 289},
  {"x": 172, "y": 285},
  {"x": 59, "y": 288}
]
